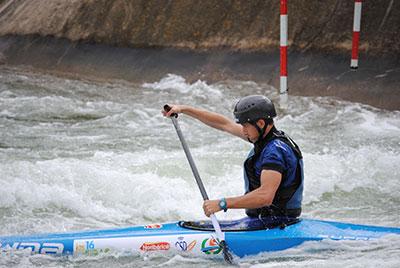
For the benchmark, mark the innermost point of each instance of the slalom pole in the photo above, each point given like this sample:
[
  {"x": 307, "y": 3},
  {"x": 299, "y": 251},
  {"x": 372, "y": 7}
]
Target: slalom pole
[
  {"x": 283, "y": 47},
  {"x": 356, "y": 34},
  {"x": 220, "y": 235}
]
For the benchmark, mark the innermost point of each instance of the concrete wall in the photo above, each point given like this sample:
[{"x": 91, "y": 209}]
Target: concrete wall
[{"x": 235, "y": 24}]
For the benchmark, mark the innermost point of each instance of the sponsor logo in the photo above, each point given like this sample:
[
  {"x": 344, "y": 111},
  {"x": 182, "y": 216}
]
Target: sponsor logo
[
  {"x": 35, "y": 247},
  {"x": 191, "y": 245},
  {"x": 153, "y": 226},
  {"x": 152, "y": 246},
  {"x": 210, "y": 246},
  {"x": 182, "y": 245},
  {"x": 80, "y": 248},
  {"x": 88, "y": 247},
  {"x": 341, "y": 237}
]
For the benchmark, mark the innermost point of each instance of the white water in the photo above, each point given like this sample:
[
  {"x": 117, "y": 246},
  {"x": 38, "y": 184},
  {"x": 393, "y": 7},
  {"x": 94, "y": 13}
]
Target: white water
[{"x": 80, "y": 155}]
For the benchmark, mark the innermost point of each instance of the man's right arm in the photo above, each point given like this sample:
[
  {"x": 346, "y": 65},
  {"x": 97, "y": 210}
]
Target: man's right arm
[{"x": 211, "y": 119}]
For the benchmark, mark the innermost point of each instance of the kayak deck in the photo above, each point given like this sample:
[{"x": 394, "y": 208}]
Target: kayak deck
[{"x": 244, "y": 224}]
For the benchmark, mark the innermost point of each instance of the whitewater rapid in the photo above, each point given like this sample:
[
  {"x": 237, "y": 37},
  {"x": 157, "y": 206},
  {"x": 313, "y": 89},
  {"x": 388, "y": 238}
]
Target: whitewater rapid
[{"x": 78, "y": 155}]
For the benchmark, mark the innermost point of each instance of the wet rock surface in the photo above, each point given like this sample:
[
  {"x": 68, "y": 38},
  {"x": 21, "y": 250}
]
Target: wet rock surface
[{"x": 208, "y": 24}]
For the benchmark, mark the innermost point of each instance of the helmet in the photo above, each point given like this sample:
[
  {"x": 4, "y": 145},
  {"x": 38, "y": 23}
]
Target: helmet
[{"x": 251, "y": 108}]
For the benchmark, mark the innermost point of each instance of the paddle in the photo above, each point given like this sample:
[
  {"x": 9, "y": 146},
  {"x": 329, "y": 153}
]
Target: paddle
[{"x": 220, "y": 235}]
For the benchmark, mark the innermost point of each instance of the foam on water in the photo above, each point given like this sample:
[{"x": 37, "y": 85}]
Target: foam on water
[
  {"x": 330, "y": 253},
  {"x": 178, "y": 83},
  {"x": 80, "y": 155},
  {"x": 102, "y": 190}
]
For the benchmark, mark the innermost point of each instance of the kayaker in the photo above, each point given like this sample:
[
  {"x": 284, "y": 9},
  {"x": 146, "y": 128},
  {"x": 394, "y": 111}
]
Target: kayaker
[{"x": 273, "y": 170}]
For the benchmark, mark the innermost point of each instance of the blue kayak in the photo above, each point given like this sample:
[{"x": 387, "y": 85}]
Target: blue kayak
[{"x": 244, "y": 237}]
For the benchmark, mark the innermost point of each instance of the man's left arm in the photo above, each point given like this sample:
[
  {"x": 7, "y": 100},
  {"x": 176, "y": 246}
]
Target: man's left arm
[{"x": 260, "y": 197}]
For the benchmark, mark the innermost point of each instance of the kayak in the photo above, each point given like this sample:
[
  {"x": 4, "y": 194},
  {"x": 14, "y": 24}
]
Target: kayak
[{"x": 247, "y": 236}]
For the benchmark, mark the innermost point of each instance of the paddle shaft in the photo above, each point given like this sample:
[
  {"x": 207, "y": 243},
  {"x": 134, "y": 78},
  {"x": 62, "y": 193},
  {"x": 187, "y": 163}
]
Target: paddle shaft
[
  {"x": 190, "y": 159},
  {"x": 196, "y": 174},
  {"x": 217, "y": 227}
]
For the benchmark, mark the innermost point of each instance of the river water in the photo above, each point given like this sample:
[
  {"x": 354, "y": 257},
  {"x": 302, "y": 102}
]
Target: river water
[{"x": 77, "y": 155}]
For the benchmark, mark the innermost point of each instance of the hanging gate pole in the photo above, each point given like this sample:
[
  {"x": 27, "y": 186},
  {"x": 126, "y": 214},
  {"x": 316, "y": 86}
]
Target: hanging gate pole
[
  {"x": 283, "y": 47},
  {"x": 356, "y": 34}
]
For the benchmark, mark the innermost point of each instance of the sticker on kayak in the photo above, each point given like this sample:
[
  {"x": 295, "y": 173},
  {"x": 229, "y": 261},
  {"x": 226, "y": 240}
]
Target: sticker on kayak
[
  {"x": 187, "y": 243},
  {"x": 34, "y": 247},
  {"x": 153, "y": 226},
  {"x": 88, "y": 247},
  {"x": 210, "y": 246},
  {"x": 152, "y": 246},
  {"x": 182, "y": 245}
]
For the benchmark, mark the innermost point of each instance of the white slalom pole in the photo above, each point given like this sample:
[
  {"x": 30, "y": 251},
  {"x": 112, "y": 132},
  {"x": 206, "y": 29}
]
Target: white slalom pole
[{"x": 283, "y": 47}]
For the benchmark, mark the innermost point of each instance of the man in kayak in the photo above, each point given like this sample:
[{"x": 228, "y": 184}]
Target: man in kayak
[{"x": 274, "y": 167}]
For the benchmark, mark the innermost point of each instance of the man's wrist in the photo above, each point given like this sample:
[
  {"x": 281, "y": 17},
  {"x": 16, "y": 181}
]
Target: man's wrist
[
  {"x": 223, "y": 205},
  {"x": 185, "y": 109}
]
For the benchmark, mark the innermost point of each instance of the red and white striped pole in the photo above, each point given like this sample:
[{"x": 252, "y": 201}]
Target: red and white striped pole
[
  {"x": 356, "y": 34},
  {"x": 283, "y": 45}
]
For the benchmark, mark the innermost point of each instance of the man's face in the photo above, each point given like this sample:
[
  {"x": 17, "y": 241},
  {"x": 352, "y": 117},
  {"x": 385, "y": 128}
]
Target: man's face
[{"x": 250, "y": 132}]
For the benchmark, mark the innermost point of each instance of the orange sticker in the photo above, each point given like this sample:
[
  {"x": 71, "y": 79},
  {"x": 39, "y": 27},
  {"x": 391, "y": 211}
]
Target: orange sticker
[{"x": 191, "y": 245}]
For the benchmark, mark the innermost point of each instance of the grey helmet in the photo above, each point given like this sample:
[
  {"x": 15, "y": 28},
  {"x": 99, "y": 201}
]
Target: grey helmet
[{"x": 251, "y": 108}]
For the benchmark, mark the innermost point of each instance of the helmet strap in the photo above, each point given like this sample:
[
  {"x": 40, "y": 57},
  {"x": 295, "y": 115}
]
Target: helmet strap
[{"x": 261, "y": 131}]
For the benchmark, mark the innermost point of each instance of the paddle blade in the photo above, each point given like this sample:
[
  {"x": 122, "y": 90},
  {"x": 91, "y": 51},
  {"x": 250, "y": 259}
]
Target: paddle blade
[{"x": 227, "y": 254}]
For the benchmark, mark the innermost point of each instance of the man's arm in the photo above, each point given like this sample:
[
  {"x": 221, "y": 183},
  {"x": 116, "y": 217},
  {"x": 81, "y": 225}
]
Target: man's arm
[
  {"x": 261, "y": 197},
  {"x": 211, "y": 119}
]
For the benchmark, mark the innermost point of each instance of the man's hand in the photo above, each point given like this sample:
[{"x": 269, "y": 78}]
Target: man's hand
[
  {"x": 175, "y": 109},
  {"x": 210, "y": 207}
]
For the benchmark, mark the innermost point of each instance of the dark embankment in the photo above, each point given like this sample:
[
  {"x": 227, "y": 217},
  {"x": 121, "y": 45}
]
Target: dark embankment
[{"x": 210, "y": 40}]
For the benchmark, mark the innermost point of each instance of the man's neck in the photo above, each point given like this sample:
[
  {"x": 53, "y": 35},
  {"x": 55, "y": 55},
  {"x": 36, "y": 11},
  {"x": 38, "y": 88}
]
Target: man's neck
[
  {"x": 269, "y": 130},
  {"x": 267, "y": 137}
]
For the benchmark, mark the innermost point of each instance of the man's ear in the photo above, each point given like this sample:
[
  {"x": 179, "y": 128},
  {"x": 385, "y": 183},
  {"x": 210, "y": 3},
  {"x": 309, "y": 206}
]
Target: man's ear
[{"x": 260, "y": 123}]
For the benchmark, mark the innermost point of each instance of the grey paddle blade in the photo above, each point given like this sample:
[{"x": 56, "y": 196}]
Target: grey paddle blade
[{"x": 227, "y": 254}]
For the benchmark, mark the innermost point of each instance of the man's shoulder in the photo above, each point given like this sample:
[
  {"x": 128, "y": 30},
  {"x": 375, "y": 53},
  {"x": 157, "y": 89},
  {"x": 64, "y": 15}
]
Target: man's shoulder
[{"x": 277, "y": 145}]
